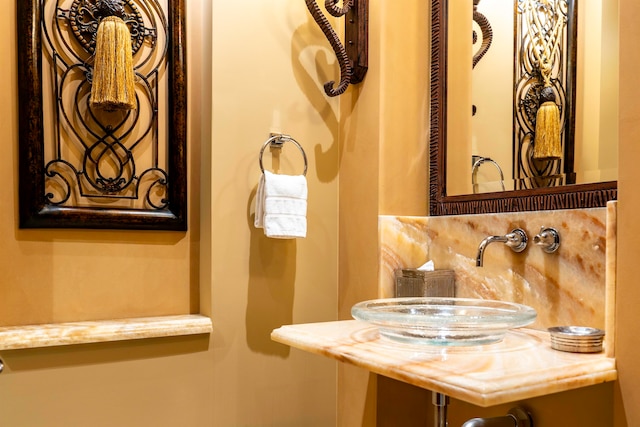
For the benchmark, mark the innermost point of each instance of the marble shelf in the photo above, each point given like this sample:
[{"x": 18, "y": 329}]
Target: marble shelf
[
  {"x": 522, "y": 366},
  {"x": 56, "y": 334}
]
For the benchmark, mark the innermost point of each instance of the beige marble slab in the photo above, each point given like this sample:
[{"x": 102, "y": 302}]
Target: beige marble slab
[
  {"x": 611, "y": 275},
  {"x": 567, "y": 287},
  {"x": 522, "y": 366},
  {"x": 47, "y": 335}
]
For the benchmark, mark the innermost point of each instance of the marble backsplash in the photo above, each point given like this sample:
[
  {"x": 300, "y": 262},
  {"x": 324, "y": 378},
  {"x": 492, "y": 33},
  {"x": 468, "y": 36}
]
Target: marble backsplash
[{"x": 573, "y": 286}]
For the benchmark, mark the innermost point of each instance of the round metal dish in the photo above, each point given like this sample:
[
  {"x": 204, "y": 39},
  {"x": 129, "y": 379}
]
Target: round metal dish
[{"x": 576, "y": 339}]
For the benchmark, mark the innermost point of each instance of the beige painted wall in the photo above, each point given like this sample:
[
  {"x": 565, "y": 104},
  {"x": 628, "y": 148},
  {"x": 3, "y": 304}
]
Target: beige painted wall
[
  {"x": 459, "y": 98},
  {"x": 383, "y": 167},
  {"x": 264, "y": 71},
  {"x": 627, "y": 411},
  {"x": 269, "y": 63}
]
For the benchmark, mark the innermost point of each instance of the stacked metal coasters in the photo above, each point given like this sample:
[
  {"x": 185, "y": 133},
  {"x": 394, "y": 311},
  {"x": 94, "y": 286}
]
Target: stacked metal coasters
[{"x": 576, "y": 339}]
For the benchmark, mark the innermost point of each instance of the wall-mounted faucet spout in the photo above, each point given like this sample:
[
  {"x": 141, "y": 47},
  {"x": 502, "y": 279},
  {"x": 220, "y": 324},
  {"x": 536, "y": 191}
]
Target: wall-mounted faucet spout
[{"x": 516, "y": 240}]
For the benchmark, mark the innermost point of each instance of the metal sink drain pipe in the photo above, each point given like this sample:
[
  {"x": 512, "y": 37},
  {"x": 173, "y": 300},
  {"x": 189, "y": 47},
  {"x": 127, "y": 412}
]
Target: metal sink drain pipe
[
  {"x": 517, "y": 417},
  {"x": 441, "y": 402}
]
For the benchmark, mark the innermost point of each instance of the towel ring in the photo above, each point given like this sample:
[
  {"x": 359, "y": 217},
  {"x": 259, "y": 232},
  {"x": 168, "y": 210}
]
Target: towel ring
[{"x": 278, "y": 140}]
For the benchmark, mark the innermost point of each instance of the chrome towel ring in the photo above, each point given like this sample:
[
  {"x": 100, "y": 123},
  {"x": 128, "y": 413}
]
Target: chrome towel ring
[{"x": 277, "y": 141}]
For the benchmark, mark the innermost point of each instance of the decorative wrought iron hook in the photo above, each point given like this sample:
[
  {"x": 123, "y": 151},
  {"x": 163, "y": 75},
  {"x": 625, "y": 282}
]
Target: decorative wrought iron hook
[
  {"x": 353, "y": 55},
  {"x": 487, "y": 33}
]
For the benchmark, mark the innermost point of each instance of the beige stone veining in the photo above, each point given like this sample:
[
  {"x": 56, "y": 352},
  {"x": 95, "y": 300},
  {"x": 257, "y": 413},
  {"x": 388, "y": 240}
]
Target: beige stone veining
[
  {"x": 522, "y": 366},
  {"x": 574, "y": 286},
  {"x": 55, "y": 334},
  {"x": 566, "y": 287},
  {"x": 611, "y": 276}
]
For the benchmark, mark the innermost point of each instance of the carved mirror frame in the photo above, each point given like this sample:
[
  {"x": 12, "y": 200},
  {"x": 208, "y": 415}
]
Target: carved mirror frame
[
  {"x": 35, "y": 207},
  {"x": 565, "y": 197}
]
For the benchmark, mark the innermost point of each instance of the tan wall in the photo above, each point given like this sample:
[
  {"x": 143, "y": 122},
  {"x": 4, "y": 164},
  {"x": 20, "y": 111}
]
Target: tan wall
[
  {"x": 459, "y": 99},
  {"x": 627, "y": 411},
  {"x": 383, "y": 167},
  {"x": 268, "y": 62},
  {"x": 597, "y": 92}
]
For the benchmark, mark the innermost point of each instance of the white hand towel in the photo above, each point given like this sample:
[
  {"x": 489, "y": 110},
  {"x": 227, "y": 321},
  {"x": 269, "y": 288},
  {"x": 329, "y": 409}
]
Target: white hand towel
[{"x": 281, "y": 205}]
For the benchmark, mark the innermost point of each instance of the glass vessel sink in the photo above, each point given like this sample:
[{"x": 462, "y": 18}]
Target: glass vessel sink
[{"x": 443, "y": 321}]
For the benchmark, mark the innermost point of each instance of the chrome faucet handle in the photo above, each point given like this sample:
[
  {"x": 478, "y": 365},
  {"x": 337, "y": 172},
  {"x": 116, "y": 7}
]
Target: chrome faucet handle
[
  {"x": 517, "y": 240},
  {"x": 548, "y": 239}
]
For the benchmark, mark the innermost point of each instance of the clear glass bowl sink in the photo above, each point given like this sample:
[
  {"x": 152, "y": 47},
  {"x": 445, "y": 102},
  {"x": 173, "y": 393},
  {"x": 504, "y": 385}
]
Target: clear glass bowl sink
[{"x": 443, "y": 321}]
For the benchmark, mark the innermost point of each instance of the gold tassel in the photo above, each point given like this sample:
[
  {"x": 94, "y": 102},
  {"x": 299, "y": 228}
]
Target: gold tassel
[
  {"x": 547, "y": 144},
  {"x": 113, "y": 85}
]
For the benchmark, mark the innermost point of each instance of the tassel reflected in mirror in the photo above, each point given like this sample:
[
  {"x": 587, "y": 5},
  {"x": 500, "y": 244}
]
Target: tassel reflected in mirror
[
  {"x": 545, "y": 25},
  {"x": 113, "y": 83},
  {"x": 547, "y": 144}
]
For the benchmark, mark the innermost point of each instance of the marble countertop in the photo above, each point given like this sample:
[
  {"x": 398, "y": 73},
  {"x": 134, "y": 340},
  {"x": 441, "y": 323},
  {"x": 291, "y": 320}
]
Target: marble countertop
[
  {"x": 522, "y": 366},
  {"x": 54, "y": 334}
]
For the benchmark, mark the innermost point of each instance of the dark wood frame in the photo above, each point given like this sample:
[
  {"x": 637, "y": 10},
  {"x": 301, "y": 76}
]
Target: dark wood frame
[
  {"x": 34, "y": 211},
  {"x": 566, "y": 197}
]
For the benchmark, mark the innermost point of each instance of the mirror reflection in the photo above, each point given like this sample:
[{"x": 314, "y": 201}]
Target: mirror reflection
[{"x": 527, "y": 61}]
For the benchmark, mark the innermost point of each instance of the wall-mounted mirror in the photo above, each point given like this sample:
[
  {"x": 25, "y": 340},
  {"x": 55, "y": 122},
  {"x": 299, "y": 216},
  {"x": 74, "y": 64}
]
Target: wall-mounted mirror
[{"x": 483, "y": 123}]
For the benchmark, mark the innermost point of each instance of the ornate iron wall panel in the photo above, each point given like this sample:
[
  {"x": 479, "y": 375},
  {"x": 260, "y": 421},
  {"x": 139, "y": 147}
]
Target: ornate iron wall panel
[
  {"x": 87, "y": 168},
  {"x": 556, "y": 23}
]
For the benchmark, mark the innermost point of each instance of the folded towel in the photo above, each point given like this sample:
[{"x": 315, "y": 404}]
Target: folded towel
[{"x": 281, "y": 205}]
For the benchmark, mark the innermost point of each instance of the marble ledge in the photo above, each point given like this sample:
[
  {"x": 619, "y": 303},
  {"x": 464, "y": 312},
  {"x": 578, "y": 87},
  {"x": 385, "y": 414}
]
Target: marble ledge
[
  {"x": 522, "y": 366},
  {"x": 57, "y": 334}
]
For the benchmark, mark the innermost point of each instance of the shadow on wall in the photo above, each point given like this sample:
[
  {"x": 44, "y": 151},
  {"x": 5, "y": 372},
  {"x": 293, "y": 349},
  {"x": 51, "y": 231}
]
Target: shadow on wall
[
  {"x": 271, "y": 288},
  {"x": 102, "y": 353},
  {"x": 304, "y": 37},
  {"x": 66, "y": 275}
]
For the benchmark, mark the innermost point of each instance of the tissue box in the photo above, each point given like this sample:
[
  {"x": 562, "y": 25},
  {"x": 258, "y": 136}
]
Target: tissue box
[{"x": 411, "y": 282}]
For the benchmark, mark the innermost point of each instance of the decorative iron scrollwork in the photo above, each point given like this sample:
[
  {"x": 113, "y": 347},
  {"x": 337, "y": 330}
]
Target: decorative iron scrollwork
[
  {"x": 485, "y": 40},
  {"x": 353, "y": 55},
  {"x": 529, "y": 82},
  {"x": 84, "y": 17},
  {"x": 111, "y": 169},
  {"x": 485, "y": 30}
]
